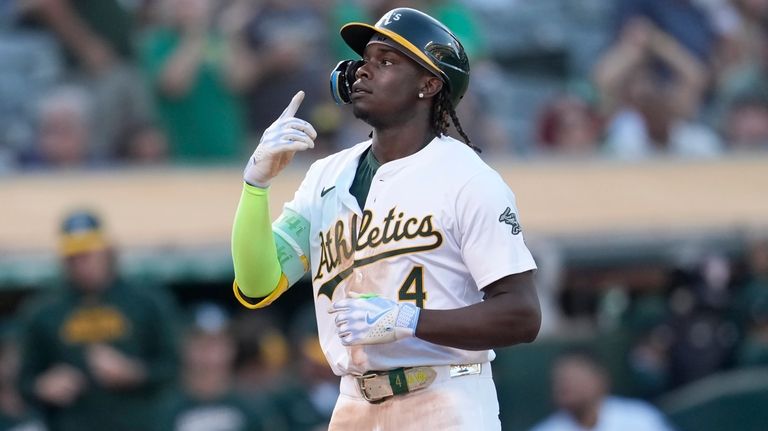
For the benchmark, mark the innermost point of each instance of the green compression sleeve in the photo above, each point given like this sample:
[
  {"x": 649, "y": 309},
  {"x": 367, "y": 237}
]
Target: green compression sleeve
[{"x": 257, "y": 269}]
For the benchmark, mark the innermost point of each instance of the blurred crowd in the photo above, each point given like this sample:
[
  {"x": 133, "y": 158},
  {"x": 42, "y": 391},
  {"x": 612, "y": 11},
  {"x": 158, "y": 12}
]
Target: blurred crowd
[
  {"x": 105, "y": 82},
  {"x": 651, "y": 331},
  {"x": 711, "y": 316},
  {"x": 102, "y": 352},
  {"x": 703, "y": 311}
]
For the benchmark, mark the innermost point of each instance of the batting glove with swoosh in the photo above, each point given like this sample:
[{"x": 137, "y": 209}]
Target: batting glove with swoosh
[
  {"x": 278, "y": 144},
  {"x": 370, "y": 319}
]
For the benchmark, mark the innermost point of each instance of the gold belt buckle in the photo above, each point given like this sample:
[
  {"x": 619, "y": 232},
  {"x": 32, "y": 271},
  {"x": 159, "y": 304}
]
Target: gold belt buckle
[{"x": 372, "y": 388}]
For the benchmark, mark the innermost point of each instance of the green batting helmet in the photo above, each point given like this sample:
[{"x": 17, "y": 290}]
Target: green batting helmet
[{"x": 421, "y": 37}]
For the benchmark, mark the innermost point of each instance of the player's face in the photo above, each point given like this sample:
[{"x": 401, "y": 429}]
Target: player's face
[{"x": 387, "y": 86}]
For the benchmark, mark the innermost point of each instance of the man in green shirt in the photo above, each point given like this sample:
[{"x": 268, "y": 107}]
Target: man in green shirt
[
  {"x": 192, "y": 71},
  {"x": 97, "y": 354}
]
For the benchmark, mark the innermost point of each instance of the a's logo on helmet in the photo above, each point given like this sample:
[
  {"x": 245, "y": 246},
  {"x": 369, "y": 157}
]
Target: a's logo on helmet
[{"x": 388, "y": 18}]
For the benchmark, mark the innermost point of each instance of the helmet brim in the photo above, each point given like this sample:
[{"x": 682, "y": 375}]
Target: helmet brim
[{"x": 358, "y": 34}]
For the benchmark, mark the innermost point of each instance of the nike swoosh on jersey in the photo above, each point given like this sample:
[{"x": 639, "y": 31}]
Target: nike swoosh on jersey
[
  {"x": 373, "y": 320},
  {"x": 325, "y": 191}
]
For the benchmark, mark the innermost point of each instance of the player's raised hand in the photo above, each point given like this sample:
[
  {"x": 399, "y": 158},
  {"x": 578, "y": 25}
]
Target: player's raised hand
[
  {"x": 370, "y": 319},
  {"x": 278, "y": 144}
]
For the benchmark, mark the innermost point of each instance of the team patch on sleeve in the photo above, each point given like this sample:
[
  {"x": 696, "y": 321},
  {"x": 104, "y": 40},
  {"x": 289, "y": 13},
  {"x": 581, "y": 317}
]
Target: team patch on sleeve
[{"x": 510, "y": 218}]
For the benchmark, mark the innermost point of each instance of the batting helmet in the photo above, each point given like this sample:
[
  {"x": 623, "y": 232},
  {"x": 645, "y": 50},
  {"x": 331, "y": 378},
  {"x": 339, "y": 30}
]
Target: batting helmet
[{"x": 424, "y": 39}]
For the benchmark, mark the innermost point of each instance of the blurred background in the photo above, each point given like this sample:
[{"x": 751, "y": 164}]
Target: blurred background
[{"x": 633, "y": 132}]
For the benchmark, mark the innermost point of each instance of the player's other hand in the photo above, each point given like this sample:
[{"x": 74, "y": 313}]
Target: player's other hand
[
  {"x": 371, "y": 319},
  {"x": 278, "y": 144}
]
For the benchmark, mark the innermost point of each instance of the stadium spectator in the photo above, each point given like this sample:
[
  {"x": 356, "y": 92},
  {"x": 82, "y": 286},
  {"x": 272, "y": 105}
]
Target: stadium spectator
[
  {"x": 15, "y": 415},
  {"x": 738, "y": 104},
  {"x": 194, "y": 72},
  {"x": 753, "y": 347},
  {"x": 262, "y": 353},
  {"x": 64, "y": 130},
  {"x": 98, "y": 353},
  {"x": 30, "y": 66},
  {"x": 752, "y": 307},
  {"x": 96, "y": 34},
  {"x": 569, "y": 126},
  {"x": 743, "y": 39},
  {"x": 697, "y": 336},
  {"x": 580, "y": 389},
  {"x": 286, "y": 43},
  {"x": 746, "y": 123},
  {"x": 207, "y": 399},
  {"x": 649, "y": 112},
  {"x": 702, "y": 336},
  {"x": 311, "y": 388},
  {"x": 686, "y": 21},
  {"x": 755, "y": 288},
  {"x": 145, "y": 144},
  {"x": 97, "y": 37}
]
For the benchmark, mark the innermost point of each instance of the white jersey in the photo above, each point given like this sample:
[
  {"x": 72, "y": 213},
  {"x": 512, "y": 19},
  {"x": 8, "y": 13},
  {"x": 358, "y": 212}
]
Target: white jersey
[{"x": 437, "y": 227}]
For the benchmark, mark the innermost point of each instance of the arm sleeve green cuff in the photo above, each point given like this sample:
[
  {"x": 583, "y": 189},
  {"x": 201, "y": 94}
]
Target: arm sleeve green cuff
[{"x": 254, "y": 254}]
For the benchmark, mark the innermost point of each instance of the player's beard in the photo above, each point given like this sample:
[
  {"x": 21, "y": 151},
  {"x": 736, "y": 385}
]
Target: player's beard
[
  {"x": 365, "y": 116},
  {"x": 361, "y": 114}
]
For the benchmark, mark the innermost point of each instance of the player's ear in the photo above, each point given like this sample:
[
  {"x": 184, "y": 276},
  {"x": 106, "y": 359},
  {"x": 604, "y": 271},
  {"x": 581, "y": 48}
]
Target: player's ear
[{"x": 430, "y": 86}]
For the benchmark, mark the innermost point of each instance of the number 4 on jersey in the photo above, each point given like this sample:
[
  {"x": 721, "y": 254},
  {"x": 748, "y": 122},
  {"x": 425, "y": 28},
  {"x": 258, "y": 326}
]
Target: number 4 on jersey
[{"x": 416, "y": 294}]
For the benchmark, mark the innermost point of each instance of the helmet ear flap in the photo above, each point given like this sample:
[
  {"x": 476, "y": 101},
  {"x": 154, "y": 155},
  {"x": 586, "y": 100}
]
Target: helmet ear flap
[{"x": 342, "y": 78}]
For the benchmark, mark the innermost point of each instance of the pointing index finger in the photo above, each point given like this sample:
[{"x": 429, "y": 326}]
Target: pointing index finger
[{"x": 290, "y": 111}]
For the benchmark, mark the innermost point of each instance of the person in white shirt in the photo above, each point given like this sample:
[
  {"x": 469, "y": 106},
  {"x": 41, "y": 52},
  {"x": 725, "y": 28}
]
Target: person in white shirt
[{"x": 580, "y": 388}]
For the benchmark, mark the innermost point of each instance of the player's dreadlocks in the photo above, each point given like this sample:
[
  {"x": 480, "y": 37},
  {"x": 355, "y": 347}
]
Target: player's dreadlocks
[{"x": 442, "y": 115}]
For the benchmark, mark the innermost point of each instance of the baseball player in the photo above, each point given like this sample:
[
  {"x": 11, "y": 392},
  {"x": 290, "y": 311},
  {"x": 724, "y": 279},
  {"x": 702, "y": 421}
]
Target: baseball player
[{"x": 414, "y": 244}]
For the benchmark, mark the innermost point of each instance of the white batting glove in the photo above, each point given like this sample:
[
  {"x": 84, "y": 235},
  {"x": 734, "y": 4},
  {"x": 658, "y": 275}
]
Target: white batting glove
[
  {"x": 370, "y": 319},
  {"x": 278, "y": 144}
]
